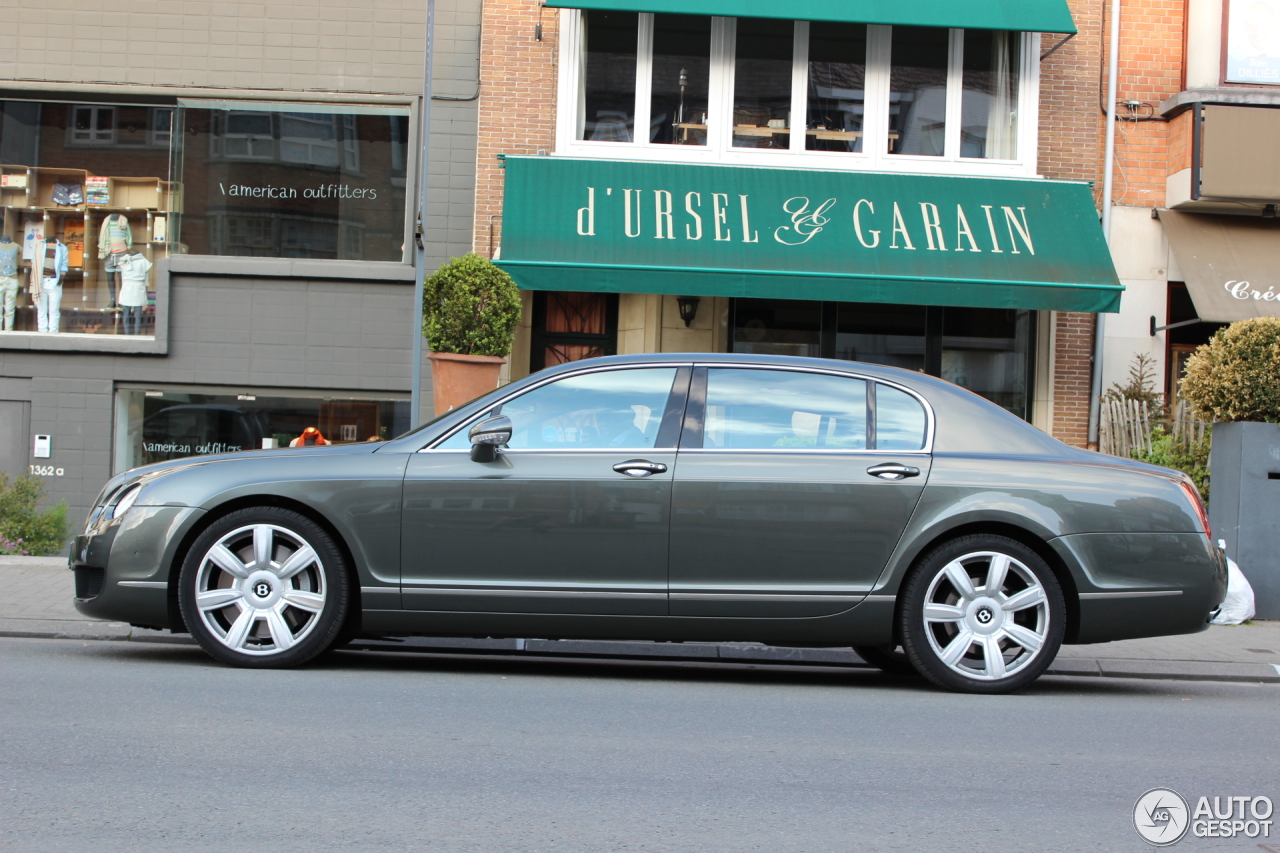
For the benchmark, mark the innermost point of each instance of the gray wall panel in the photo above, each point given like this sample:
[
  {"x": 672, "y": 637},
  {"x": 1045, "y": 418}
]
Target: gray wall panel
[{"x": 256, "y": 331}]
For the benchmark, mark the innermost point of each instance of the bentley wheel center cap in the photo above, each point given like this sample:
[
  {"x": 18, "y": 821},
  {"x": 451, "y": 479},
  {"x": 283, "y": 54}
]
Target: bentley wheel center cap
[
  {"x": 262, "y": 589},
  {"x": 984, "y": 615}
]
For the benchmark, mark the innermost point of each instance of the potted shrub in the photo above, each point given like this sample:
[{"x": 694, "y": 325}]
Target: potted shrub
[
  {"x": 1234, "y": 380},
  {"x": 470, "y": 311}
]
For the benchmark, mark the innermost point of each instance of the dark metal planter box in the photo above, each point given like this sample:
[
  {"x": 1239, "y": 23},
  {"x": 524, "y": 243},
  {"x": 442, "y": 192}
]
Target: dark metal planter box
[{"x": 1244, "y": 504}]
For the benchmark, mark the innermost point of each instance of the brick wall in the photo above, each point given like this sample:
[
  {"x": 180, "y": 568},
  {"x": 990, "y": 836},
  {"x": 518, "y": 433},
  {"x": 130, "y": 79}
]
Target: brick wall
[
  {"x": 1072, "y": 368},
  {"x": 1069, "y": 129},
  {"x": 1150, "y": 71},
  {"x": 518, "y": 110}
]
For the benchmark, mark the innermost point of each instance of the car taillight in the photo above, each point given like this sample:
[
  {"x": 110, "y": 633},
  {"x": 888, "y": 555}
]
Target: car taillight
[{"x": 1198, "y": 505}]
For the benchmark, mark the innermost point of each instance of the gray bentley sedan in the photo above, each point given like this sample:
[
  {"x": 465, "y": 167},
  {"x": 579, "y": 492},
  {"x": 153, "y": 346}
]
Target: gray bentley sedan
[{"x": 702, "y": 497}]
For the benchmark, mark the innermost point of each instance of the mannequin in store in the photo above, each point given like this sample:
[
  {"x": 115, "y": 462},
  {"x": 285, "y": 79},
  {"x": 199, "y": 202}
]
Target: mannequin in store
[
  {"x": 135, "y": 271},
  {"x": 47, "y": 269},
  {"x": 310, "y": 437},
  {"x": 114, "y": 240},
  {"x": 9, "y": 254}
]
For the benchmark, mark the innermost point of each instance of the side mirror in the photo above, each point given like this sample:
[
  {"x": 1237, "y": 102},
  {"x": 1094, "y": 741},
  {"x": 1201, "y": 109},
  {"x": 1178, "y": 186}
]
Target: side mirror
[{"x": 487, "y": 436}]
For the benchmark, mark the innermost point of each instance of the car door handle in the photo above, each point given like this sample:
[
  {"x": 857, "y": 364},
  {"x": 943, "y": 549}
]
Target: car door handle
[
  {"x": 893, "y": 471},
  {"x": 639, "y": 468}
]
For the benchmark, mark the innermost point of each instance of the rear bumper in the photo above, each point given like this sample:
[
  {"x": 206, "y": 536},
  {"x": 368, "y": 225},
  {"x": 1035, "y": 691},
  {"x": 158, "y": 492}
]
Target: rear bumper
[
  {"x": 123, "y": 570},
  {"x": 1143, "y": 584}
]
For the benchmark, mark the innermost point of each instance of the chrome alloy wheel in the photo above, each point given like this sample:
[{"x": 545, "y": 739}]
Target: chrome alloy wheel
[
  {"x": 986, "y": 615},
  {"x": 260, "y": 589}
]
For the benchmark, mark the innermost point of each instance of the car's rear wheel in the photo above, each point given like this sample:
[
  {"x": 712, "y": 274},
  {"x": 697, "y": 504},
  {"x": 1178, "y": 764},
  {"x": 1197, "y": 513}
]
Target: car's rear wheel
[
  {"x": 264, "y": 587},
  {"x": 887, "y": 658},
  {"x": 982, "y": 614}
]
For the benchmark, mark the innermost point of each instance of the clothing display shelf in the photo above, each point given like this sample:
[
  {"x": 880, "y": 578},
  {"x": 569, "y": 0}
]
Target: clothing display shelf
[
  {"x": 134, "y": 194},
  {"x": 46, "y": 181},
  {"x": 15, "y": 186}
]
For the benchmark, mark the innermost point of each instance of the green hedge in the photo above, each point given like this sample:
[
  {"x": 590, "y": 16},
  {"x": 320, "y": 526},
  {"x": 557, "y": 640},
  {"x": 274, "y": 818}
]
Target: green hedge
[
  {"x": 24, "y": 529},
  {"x": 470, "y": 307}
]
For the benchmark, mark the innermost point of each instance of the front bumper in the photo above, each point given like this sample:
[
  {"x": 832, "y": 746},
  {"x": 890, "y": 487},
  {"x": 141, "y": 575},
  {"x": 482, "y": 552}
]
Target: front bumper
[{"x": 123, "y": 569}]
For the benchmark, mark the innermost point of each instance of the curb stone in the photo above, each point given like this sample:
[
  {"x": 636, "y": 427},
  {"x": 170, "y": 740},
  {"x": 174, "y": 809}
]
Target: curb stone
[{"x": 734, "y": 653}]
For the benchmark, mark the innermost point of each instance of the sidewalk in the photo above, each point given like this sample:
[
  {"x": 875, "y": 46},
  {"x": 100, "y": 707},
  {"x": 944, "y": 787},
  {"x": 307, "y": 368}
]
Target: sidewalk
[{"x": 36, "y": 602}]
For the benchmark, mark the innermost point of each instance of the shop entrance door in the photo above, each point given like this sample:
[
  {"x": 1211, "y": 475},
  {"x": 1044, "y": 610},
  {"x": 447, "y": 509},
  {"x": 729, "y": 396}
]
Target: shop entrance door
[{"x": 571, "y": 326}]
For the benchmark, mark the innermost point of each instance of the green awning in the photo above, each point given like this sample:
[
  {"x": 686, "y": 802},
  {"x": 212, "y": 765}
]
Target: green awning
[
  {"x": 1047, "y": 16},
  {"x": 634, "y": 227}
]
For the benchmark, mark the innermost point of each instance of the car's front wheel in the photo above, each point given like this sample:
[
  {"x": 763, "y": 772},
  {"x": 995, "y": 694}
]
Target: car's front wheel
[
  {"x": 982, "y": 614},
  {"x": 264, "y": 587}
]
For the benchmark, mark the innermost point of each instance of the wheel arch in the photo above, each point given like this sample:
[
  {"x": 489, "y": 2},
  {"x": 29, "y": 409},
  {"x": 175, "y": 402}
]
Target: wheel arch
[
  {"x": 1010, "y": 530},
  {"x": 222, "y": 510}
]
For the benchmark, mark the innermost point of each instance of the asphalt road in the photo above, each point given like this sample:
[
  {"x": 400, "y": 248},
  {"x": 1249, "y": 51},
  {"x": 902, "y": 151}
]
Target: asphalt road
[{"x": 119, "y": 746}]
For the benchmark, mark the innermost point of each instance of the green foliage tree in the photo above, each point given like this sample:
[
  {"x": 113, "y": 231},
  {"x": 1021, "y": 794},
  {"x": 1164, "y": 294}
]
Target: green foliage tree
[
  {"x": 23, "y": 527},
  {"x": 470, "y": 307},
  {"x": 1141, "y": 385},
  {"x": 1236, "y": 376}
]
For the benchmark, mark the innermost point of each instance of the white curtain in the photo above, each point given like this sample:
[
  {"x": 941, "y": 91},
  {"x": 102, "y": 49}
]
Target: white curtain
[{"x": 1002, "y": 119}]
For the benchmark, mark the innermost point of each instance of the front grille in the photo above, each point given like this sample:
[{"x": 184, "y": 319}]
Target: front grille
[{"x": 89, "y": 580}]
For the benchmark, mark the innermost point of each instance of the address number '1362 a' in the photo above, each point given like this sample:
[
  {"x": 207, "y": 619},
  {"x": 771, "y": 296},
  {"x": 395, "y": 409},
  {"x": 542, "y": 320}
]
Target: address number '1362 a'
[{"x": 46, "y": 471}]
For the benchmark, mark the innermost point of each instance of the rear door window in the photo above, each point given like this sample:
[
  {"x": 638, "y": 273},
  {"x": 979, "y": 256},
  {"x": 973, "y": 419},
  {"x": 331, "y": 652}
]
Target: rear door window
[
  {"x": 900, "y": 420},
  {"x": 751, "y": 409}
]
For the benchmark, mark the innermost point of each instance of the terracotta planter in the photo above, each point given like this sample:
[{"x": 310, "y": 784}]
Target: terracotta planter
[{"x": 458, "y": 379}]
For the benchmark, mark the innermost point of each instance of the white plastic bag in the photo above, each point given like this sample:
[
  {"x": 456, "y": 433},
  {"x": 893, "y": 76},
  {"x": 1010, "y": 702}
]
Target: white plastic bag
[{"x": 1238, "y": 606}]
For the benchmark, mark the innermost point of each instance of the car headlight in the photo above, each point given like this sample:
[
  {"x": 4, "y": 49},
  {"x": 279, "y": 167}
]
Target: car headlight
[{"x": 126, "y": 500}]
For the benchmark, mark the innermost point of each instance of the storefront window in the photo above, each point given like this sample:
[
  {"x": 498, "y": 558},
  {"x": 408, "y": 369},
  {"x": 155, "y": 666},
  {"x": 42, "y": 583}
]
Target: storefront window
[
  {"x": 85, "y": 193},
  {"x": 762, "y": 84},
  {"x": 608, "y": 93},
  {"x": 681, "y": 79},
  {"x": 730, "y": 87},
  {"x": 154, "y": 426},
  {"x": 881, "y": 334},
  {"x": 291, "y": 180},
  {"x": 987, "y": 350},
  {"x": 918, "y": 91},
  {"x": 837, "y": 87},
  {"x": 989, "y": 111},
  {"x": 94, "y": 195},
  {"x": 777, "y": 327}
]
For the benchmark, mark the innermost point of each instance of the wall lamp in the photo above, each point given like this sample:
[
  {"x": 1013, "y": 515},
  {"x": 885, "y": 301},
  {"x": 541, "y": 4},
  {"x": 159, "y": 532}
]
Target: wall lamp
[{"x": 688, "y": 308}]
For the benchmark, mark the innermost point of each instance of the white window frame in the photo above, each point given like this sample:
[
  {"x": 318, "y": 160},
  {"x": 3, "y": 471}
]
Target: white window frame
[
  {"x": 93, "y": 136},
  {"x": 719, "y": 147},
  {"x": 259, "y": 146},
  {"x": 307, "y": 150},
  {"x": 157, "y": 138}
]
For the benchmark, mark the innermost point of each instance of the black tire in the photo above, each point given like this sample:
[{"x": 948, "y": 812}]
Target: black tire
[
  {"x": 887, "y": 658},
  {"x": 281, "y": 614},
  {"x": 971, "y": 640}
]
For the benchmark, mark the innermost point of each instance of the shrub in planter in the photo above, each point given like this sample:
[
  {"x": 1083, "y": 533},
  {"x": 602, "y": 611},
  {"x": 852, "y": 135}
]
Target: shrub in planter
[
  {"x": 470, "y": 311},
  {"x": 1235, "y": 380},
  {"x": 23, "y": 528},
  {"x": 470, "y": 307},
  {"x": 1236, "y": 376}
]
